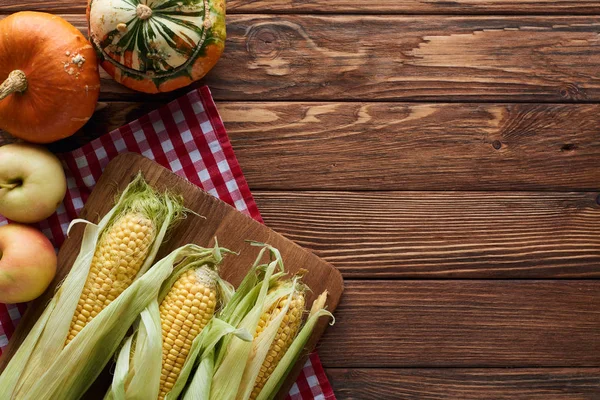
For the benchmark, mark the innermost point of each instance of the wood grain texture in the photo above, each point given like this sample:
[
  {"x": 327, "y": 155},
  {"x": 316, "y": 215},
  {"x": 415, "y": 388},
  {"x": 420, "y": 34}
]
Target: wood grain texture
[
  {"x": 436, "y": 234},
  {"x": 342, "y": 140},
  {"x": 466, "y": 384},
  {"x": 51, "y": 6},
  {"x": 465, "y": 323},
  {"x": 288, "y": 57},
  {"x": 417, "y": 58},
  {"x": 400, "y": 146},
  {"x": 488, "y": 7},
  {"x": 232, "y": 228},
  {"x": 459, "y": 7}
]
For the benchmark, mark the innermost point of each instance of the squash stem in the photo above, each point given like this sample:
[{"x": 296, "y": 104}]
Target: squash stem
[
  {"x": 143, "y": 11},
  {"x": 16, "y": 82}
]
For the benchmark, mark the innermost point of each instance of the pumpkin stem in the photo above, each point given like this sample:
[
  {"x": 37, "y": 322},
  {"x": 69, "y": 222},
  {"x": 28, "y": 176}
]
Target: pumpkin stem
[
  {"x": 143, "y": 11},
  {"x": 16, "y": 82}
]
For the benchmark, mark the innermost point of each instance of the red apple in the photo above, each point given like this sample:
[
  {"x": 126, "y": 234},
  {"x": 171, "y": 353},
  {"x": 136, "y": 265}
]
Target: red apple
[{"x": 27, "y": 263}]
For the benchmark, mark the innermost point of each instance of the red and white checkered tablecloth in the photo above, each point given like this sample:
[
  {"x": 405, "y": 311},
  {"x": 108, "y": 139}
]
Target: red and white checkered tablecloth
[{"x": 188, "y": 137}]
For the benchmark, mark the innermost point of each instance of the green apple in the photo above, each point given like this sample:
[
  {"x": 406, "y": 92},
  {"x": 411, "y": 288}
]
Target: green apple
[
  {"x": 32, "y": 182},
  {"x": 27, "y": 263}
]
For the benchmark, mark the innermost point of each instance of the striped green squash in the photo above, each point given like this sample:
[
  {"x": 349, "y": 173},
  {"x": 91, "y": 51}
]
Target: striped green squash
[{"x": 157, "y": 45}]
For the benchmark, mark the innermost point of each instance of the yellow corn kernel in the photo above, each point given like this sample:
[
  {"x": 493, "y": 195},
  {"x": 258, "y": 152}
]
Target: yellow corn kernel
[
  {"x": 184, "y": 312},
  {"x": 289, "y": 328},
  {"x": 119, "y": 255}
]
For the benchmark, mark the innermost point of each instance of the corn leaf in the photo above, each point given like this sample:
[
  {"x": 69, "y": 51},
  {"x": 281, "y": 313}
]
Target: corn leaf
[
  {"x": 229, "y": 372},
  {"x": 199, "y": 387},
  {"x": 246, "y": 295},
  {"x": 226, "y": 291},
  {"x": 147, "y": 356},
  {"x": 14, "y": 369},
  {"x": 262, "y": 344},
  {"x": 121, "y": 373},
  {"x": 204, "y": 344},
  {"x": 249, "y": 282},
  {"x": 285, "y": 366}
]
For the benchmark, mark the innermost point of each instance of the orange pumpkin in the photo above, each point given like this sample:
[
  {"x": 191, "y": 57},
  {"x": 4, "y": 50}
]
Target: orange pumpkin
[
  {"x": 50, "y": 77},
  {"x": 160, "y": 45}
]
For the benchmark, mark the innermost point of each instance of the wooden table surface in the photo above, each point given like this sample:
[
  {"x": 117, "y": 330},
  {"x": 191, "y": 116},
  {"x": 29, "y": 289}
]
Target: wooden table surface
[{"x": 445, "y": 156}]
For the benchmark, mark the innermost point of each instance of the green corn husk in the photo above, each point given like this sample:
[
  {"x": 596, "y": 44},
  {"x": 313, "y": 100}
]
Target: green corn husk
[
  {"x": 73, "y": 371},
  {"x": 231, "y": 370},
  {"x": 240, "y": 303},
  {"x": 43, "y": 367},
  {"x": 247, "y": 294},
  {"x": 137, "y": 373},
  {"x": 201, "y": 384},
  {"x": 285, "y": 366},
  {"x": 262, "y": 344},
  {"x": 207, "y": 341}
]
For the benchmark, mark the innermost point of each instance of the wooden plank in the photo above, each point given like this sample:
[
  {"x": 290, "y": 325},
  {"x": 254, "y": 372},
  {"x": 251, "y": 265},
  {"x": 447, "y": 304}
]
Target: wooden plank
[
  {"x": 51, "y": 6},
  {"x": 232, "y": 228},
  {"x": 443, "y": 234},
  {"x": 399, "y": 146},
  {"x": 416, "y": 58},
  {"x": 458, "y": 7},
  {"x": 488, "y": 7},
  {"x": 287, "y": 57},
  {"x": 466, "y": 384},
  {"x": 465, "y": 324}
]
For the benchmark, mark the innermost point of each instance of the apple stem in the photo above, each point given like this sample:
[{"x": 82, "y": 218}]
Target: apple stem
[
  {"x": 8, "y": 186},
  {"x": 16, "y": 82}
]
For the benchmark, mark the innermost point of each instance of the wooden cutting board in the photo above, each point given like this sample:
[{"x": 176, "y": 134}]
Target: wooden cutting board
[{"x": 232, "y": 229}]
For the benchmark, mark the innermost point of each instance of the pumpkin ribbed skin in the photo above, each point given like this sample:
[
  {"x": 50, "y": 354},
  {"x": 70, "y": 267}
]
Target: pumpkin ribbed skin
[
  {"x": 157, "y": 45},
  {"x": 60, "y": 69}
]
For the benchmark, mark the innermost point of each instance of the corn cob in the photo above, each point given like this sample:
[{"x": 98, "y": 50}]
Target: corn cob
[
  {"x": 184, "y": 312},
  {"x": 118, "y": 257},
  {"x": 289, "y": 328}
]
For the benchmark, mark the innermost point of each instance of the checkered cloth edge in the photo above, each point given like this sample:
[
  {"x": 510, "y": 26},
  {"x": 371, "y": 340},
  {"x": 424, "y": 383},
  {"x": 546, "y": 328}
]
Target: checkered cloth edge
[{"x": 188, "y": 137}]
